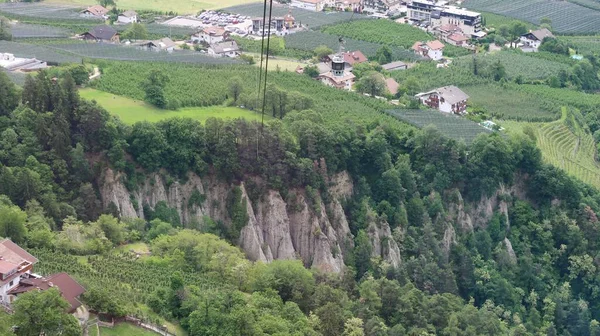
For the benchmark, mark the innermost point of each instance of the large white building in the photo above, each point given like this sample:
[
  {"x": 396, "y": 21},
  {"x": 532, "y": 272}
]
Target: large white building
[
  {"x": 311, "y": 5},
  {"x": 435, "y": 15}
]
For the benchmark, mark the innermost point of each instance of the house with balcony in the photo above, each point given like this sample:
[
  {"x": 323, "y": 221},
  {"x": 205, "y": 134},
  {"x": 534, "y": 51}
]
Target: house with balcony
[
  {"x": 16, "y": 265},
  {"x": 448, "y": 99}
]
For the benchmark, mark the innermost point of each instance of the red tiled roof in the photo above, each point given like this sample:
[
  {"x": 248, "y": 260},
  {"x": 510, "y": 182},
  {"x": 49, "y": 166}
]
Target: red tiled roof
[
  {"x": 96, "y": 10},
  {"x": 417, "y": 46},
  {"x": 13, "y": 253},
  {"x": 7, "y": 266},
  {"x": 354, "y": 57},
  {"x": 435, "y": 45},
  {"x": 215, "y": 31},
  {"x": 68, "y": 287},
  {"x": 458, "y": 37},
  {"x": 392, "y": 85}
]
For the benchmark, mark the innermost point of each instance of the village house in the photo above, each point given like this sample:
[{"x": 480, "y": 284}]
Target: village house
[
  {"x": 278, "y": 26},
  {"x": 210, "y": 35},
  {"x": 533, "y": 39},
  {"x": 17, "y": 277},
  {"x": 336, "y": 74},
  {"x": 458, "y": 40},
  {"x": 350, "y": 59},
  {"x": 128, "y": 17},
  {"x": 102, "y": 33},
  {"x": 311, "y": 5},
  {"x": 224, "y": 49},
  {"x": 431, "y": 49},
  {"x": 16, "y": 265},
  {"x": 448, "y": 99},
  {"x": 69, "y": 289},
  {"x": 349, "y": 5},
  {"x": 398, "y": 65},
  {"x": 381, "y": 6},
  {"x": 164, "y": 44},
  {"x": 289, "y": 21},
  {"x": 392, "y": 86},
  {"x": 95, "y": 11}
]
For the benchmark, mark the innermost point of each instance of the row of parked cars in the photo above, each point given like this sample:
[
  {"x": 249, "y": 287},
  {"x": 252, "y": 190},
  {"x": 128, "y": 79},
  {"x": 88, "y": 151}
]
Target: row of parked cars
[{"x": 221, "y": 19}]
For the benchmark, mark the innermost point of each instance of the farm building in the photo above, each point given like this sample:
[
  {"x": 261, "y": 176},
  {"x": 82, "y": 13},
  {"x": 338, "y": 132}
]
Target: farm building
[
  {"x": 448, "y": 99},
  {"x": 311, "y": 5},
  {"x": 102, "y": 33},
  {"x": 224, "y": 49},
  {"x": 398, "y": 65},
  {"x": 392, "y": 86},
  {"x": 12, "y": 63},
  {"x": 350, "y": 58},
  {"x": 95, "y": 11},
  {"x": 164, "y": 44},
  {"x": 210, "y": 35},
  {"x": 533, "y": 39},
  {"x": 127, "y": 17},
  {"x": 69, "y": 289},
  {"x": 431, "y": 49}
]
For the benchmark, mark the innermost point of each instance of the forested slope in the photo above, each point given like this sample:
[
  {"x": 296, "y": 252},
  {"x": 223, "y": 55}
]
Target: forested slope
[{"x": 490, "y": 240}]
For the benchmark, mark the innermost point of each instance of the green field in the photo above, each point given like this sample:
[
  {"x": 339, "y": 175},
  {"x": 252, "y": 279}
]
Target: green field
[
  {"x": 505, "y": 103},
  {"x": 131, "y": 111},
  {"x": 569, "y": 148},
  {"x": 125, "y": 329},
  {"x": 495, "y": 20},
  {"x": 178, "y": 6}
]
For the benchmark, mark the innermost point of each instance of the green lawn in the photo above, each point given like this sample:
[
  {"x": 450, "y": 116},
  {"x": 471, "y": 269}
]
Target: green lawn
[
  {"x": 139, "y": 247},
  {"x": 131, "y": 111},
  {"x": 125, "y": 329},
  {"x": 179, "y": 6}
]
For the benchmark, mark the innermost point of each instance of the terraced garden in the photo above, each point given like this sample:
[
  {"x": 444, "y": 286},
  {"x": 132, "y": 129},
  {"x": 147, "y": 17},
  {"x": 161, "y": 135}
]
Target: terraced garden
[
  {"x": 567, "y": 17},
  {"x": 571, "y": 149}
]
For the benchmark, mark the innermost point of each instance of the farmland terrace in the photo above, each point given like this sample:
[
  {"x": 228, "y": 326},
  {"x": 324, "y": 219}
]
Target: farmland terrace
[{"x": 567, "y": 17}]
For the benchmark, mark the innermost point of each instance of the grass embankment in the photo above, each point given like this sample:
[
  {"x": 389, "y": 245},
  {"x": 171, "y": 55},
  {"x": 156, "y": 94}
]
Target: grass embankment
[
  {"x": 569, "y": 148},
  {"x": 179, "y": 6},
  {"x": 125, "y": 329},
  {"x": 131, "y": 111}
]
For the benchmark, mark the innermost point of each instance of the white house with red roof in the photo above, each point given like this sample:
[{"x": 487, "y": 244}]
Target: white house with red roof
[
  {"x": 211, "y": 35},
  {"x": 431, "y": 49},
  {"x": 16, "y": 264},
  {"x": 95, "y": 11}
]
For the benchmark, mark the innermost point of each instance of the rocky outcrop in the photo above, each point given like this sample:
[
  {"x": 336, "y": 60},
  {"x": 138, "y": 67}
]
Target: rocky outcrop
[
  {"x": 302, "y": 228},
  {"x": 383, "y": 243}
]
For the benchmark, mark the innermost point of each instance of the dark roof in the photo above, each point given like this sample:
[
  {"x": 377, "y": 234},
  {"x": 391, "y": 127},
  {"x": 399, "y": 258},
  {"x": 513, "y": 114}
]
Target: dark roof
[
  {"x": 128, "y": 13},
  {"x": 13, "y": 253},
  {"x": 542, "y": 33},
  {"x": 103, "y": 32},
  {"x": 67, "y": 286},
  {"x": 436, "y": 14},
  {"x": 394, "y": 65}
]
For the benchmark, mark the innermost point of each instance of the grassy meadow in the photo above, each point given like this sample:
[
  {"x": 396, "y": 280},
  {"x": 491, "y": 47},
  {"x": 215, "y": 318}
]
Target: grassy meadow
[
  {"x": 179, "y": 6},
  {"x": 125, "y": 329},
  {"x": 131, "y": 111}
]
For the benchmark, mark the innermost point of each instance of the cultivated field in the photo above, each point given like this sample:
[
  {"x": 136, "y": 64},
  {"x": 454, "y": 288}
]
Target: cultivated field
[
  {"x": 566, "y": 17},
  {"x": 39, "y": 52},
  {"x": 178, "y": 6},
  {"x": 583, "y": 44},
  {"x": 16, "y": 77},
  {"x": 312, "y": 19},
  {"x": 45, "y": 10},
  {"x": 516, "y": 64},
  {"x": 379, "y": 31},
  {"x": 131, "y": 111},
  {"x": 505, "y": 103},
  {"x": 309, "y": 40},
  {"x": 569, "y": 148},
  {"x": 24, "y": 30},
  {"x": 452, "y": 126}
]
